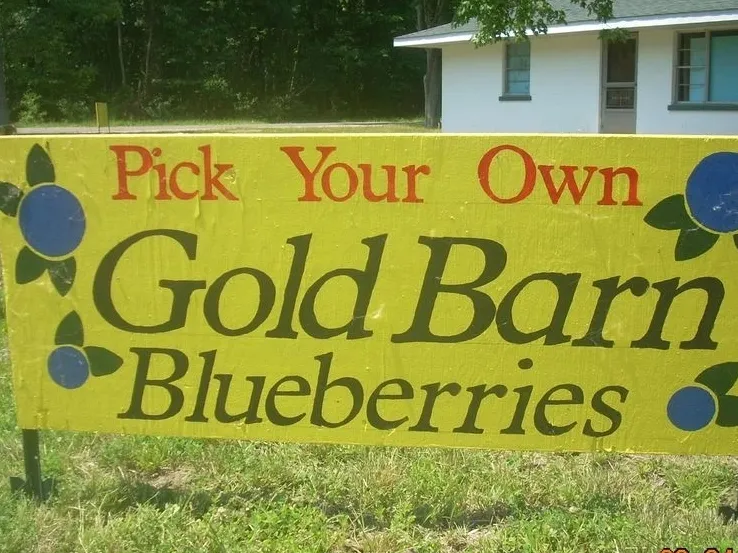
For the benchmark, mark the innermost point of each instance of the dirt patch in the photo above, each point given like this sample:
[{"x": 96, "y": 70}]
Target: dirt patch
[{"x": 175, "y": 479}]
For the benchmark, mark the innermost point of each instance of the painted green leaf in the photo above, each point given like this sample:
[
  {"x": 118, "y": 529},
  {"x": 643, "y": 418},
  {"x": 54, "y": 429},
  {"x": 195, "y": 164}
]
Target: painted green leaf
[
  {"x": 693, "y": 243},
  {"x": 28, "y": 266},
  {"x": 62, "y": 274},
  {"x": 39, "y": 167},
  {"x": 727, "y": 411},
  {"x": 10, "y": 197},
  {"x": 70, "y": 331},
  {"x": 720, "y": 378},
  {"x": 670, "y": 214},
  {"x": 102, "y": 361}
]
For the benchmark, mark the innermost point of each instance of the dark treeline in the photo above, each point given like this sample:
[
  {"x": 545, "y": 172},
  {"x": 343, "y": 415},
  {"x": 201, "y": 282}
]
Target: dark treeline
[{"x": 271, "y": 59}]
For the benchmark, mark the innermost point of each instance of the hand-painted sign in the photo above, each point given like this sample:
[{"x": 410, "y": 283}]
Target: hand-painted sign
[{"x": 509, "y": 292}]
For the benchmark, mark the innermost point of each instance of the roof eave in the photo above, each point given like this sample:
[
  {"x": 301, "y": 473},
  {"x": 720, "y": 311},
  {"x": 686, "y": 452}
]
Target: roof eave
[{"x": 583, "y": 27}]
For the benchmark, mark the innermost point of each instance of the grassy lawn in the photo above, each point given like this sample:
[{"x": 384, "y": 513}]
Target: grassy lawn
[
  {"x": 240, "y": 125},
  {"x": 133, "y": 494},
  {"x": 136, "y": 494}
]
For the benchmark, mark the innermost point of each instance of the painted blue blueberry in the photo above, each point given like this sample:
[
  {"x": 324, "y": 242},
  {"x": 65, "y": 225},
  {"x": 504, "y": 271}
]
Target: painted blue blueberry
[
  {"x": 68, "y": 367},
  {"x": 712, "y": 192},
  {"x": 52, "y": 220},
  {"x": 691, "y": 408}
]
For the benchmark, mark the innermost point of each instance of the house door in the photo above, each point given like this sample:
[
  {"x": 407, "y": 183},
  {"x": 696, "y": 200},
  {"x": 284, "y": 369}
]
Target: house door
[{"x": 619, "y": 62}]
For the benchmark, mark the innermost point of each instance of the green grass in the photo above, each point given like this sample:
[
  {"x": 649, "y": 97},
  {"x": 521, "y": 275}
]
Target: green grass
[
  {"x": 139, "y": 494},
  {"x": 239, "y": 125}
]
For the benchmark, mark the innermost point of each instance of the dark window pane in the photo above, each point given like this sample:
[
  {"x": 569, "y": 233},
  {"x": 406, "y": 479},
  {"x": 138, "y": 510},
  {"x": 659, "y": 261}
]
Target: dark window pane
[
  {"x": 521, "y": 49},
  {"x": 685, "y": 39},
  {"x": 621, "y": 61},
  {"x": 519, "y": 63},
  {"x": 732, "y": 32},
  {"x": 692, "y": 76},
  {"x": 695, "y": 93},
  {"x": 517, "y": 68}
]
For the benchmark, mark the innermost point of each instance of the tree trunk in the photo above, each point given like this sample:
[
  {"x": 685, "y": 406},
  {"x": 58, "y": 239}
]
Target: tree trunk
[
  {"x": 143, "y": 83},
  {"x": 431, "y": 13},
  {"x": 4, "y": 112},
  {"x": 120, "y": 54},
  {"x": 432, "y": 86},
  {"x": 147, "y": 63}
]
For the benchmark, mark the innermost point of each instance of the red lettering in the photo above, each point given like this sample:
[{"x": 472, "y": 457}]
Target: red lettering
[
  {"x": 161, "y": 172},
  {"x": 353, "y": 182},
  {"x": 530, "y": 174},
  {"x": 609, "y": 173},
  {"x": 174, "y": 183},
  {"x": 308, "y": 175},
  {"x": 391, "y": 195},
  {"x": 123, "y": 172},
  {"x": 213, "y": 181},
  {"x": 412, "y": 173},
  {"x": 569, "y": 182}
]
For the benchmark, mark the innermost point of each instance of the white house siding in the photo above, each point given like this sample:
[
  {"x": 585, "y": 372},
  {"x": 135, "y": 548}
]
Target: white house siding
[
  {"x": 656, "y": 51},
  {"x": 564, "y": 86}
]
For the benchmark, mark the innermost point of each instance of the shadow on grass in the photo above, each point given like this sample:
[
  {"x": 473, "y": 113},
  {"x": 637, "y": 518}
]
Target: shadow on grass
[{"x": 131, "y": 493}]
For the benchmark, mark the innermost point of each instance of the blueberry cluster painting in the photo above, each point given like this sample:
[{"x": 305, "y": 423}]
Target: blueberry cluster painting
[
  {"x": 52, "y": 222},
  {"x": 707, "y": 210},
  {"x": 694, "y": 407},
  {"x": 72, "y": 363}
]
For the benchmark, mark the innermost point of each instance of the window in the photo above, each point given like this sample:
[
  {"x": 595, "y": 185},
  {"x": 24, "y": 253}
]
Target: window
[
  {"x": 707, "y": 67},
  {"x": 517, "y": 69},
  {"x": 621, "y": 74}
]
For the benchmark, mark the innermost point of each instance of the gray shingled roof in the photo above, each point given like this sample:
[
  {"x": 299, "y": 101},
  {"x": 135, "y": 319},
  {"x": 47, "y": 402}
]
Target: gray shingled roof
[{"x": 622, "y": 9}]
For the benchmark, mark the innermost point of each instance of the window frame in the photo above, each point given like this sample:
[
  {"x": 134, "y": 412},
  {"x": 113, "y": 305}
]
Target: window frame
[
  {"x": 677, "y": 68},
  {"x": 606, "y": 84},
  {"x": 508, "y": 96}
]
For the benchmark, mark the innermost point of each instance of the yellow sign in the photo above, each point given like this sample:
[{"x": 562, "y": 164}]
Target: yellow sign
[
  {"x": 101, "y": 114},
  {"x": 510, "y": 292}
]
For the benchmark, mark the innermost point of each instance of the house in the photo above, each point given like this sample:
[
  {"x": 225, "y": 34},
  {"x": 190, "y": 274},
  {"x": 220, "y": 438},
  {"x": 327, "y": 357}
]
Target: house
[{"x": 678, "y": 74}]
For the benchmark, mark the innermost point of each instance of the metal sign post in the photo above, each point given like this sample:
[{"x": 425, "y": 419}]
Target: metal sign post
[{"x": 34, "y": 485}]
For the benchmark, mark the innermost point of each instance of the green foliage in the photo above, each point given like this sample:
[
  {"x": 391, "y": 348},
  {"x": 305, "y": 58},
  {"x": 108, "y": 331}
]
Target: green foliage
[
  {"x": 501, "y": 18},
  {"x": 29, "y": 109},
  {"x": 276, "y": 59},
  {"x": 293, "y": 59}
]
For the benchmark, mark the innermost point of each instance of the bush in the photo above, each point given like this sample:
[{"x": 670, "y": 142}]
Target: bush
[
  {"x": 74, "y": 110},
  {"x": 30, "y": 110}
]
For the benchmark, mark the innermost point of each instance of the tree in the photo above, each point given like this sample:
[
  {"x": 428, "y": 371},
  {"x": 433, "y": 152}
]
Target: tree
[
  {"x": 162, "y": 59},
  {"x": 4, "y": 113},
  {"x": 501, "y": 18},
  {"x": 430, "y": 14},
  {"x": 5, "y": 127}
]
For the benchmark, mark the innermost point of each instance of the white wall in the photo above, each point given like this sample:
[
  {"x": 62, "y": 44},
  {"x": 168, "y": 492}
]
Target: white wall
[
  {"x": 656, "y": 52},
  {"x": 564, "y": 86}
]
